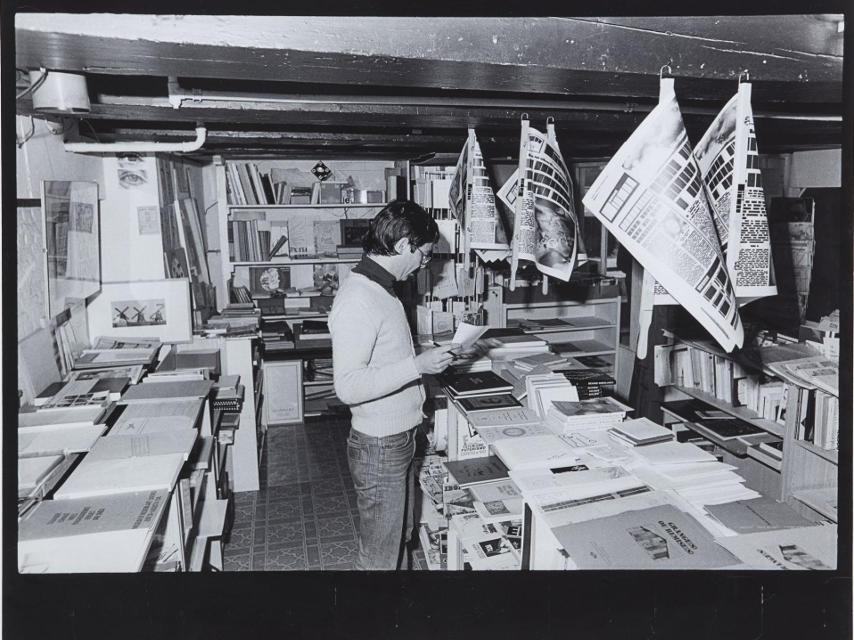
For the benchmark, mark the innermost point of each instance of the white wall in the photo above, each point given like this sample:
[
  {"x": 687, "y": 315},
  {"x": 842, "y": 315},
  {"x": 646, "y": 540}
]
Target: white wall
[{"x": 44, "y": 158}]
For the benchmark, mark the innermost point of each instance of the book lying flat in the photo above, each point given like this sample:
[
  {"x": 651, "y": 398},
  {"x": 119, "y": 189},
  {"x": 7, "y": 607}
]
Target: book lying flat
[
  {"x": 503, "y": 417},
  {"x": 802, "y": 548},
  {"x": 535, "y": 452},
  {"x": 476, "y": 470},
  {"x": 32, "y": 471},
  {"x": 759, "y": 514},
  {"x": 159, "y": 391},
  {"x": 92, "y": 478},
  {"x": 480, "y": 383},
  {"x": 117, "y": 447},
  {"x": 661, "y": 537},
  {"x": 490, "y": 435},
  {"x": 149, "y": 417},
  {"x": 486, "y": 403},
  {"x": 60, "y": 441},
  {"x": 51, "y": 420},
  {"x": 106, "y": 534},
  {"x": 641, "y": 431}
]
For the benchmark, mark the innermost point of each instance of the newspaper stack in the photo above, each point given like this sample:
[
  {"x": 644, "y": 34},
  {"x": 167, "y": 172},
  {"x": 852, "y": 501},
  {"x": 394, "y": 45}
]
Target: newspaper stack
[
  {"x": 431, "y": 476},
  {"x": 595, "y": 413}
]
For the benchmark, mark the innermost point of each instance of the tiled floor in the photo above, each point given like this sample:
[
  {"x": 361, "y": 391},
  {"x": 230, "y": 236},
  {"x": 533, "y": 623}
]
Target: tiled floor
[{"x": 305, "y": 516}]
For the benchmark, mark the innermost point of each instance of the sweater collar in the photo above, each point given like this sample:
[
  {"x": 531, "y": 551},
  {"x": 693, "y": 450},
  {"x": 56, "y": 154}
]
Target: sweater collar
[{"x": 373, "y": 271}]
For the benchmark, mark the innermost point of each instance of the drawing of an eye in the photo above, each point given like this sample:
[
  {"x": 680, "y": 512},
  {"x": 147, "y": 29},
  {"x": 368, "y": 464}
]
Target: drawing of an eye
[{"x": 129, "y": 179}]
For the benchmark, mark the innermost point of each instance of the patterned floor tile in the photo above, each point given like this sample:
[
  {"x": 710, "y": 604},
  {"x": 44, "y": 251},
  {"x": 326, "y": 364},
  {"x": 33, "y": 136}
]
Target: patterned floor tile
[
  {"x": 327, "y": 485},
  {"x": 259, "y": 537},
  {"x": 332, "y": 504},
  {"x": 285, "y": 534},
  {"x": 245, "y": 513},
  {"x": 310, "y": 529},
  {"x": 258, "y": 561},
  {"x": 260, "y": 514},
  {"x": 236, "y": 563},
  {"x": 286, "y": 560},
  {"x": 334, "y": 553},
  {"x": 334, "y": 527},
  {"x": 245, "y": 498},
  {"x": 241, "y": 539},
  {"x": 283, "y": 510},
  {"x": 277, "y": 494},
  {"x": 344, "y": 566}
]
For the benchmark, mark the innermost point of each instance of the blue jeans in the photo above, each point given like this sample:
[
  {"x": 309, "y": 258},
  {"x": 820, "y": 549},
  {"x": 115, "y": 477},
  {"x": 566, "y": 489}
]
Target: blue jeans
[{"x": 384, "y": 477}]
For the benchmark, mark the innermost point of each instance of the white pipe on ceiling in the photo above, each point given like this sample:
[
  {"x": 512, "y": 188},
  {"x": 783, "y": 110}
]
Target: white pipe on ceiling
[{"x": 141, "y": 147}]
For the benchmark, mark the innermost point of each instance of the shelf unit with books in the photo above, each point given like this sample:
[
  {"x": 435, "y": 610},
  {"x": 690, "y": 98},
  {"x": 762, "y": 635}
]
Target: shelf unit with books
[
  {"x": 782, "y": 406},
  {"x": 253, "y": 220}
]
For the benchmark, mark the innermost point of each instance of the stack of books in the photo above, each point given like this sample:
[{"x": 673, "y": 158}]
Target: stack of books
[
  {"x": 465, "y": 385},
  {"x": 312, "y": 334},
  {"x": 589, "y": 383},
  {"x": 544, "y": 389},
  {"x": 276, "y": 334},
  {"x": 228, "y": 394},
  {"x": 640, "y": 432},
  {"x": 529, "y": 364},
  {"x": 587, "y": 414},
  {"x": 513, "y": 346}
]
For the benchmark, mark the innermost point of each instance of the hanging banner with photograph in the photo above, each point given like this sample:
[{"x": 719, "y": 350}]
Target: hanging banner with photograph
[
  {"x": 545, "y": 230},
  {"x": 472, "y": 201},
  {"x": 652, "y": 198}
]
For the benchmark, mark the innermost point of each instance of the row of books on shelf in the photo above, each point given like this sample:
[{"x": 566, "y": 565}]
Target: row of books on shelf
[
  {"x": 126, "y": 481},
  {"x": 256, "y": 236},
  {"x": 246, "y": 184},
  {"x": 588, "y": 471},
  {"x": 797, "y": 389}
]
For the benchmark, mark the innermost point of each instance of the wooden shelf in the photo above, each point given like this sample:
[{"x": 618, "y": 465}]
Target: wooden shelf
[
  {"x": 831, "y": 455},
  {"x": 580, "y": 323},
  {"x": 371, "y": 205},
  {"x": 808, "y": 497},
  {"x": 291, "y": 261},
  {"x": 739, "y": 412},
  {"x": 583, "y": 348}
]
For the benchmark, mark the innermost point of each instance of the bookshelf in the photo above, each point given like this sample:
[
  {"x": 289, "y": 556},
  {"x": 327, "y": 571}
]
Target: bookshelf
[
  {"x": 300, "y": 220},
  {"x": 806, "y": 467},
  {"x": 592, "y": 329}
]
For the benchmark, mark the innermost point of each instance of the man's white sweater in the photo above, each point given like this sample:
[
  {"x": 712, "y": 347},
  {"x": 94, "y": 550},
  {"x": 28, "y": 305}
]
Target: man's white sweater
[{"x": 373, "y": 358}]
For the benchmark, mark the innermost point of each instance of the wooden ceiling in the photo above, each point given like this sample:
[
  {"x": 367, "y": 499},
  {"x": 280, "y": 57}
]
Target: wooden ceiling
[{"x": 409, "y": 87}]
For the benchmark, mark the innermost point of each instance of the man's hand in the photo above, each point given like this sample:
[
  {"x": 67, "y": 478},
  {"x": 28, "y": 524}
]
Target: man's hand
[{"x": 435, "y": 360}]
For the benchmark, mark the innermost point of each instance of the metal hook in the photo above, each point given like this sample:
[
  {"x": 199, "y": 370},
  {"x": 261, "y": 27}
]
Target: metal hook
[
  {"x": 550, "y": 120},
  {"x": 524, "y": 116},
  {"x": 746, "y": 75},
  {"x": 661, "y": 71}
]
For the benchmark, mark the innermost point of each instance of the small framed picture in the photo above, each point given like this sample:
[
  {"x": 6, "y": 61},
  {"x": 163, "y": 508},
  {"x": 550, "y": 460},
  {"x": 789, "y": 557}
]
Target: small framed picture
[{"x": 152, "y": 308}]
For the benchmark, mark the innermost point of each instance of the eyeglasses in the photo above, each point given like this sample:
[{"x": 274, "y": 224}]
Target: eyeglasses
[{"x": 425, "y": 257}]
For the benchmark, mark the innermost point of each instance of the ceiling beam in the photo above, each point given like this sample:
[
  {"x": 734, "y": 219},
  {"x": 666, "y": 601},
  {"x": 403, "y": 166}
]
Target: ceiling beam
[{"x": 791, "y": 58}]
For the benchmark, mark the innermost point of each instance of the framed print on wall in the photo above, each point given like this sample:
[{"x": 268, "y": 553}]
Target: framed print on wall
[{"x": 155, "y": 308}]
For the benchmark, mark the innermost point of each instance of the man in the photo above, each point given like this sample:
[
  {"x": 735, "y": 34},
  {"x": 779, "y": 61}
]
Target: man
[{"x": 377, "y": 373}]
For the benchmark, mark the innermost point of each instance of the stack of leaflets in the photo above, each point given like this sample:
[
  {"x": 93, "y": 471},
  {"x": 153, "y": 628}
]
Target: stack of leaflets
[
  {"x": 542, "y": 390},
  {"x": 587, "y": 414},
  {"x": 640, "y": 432}
]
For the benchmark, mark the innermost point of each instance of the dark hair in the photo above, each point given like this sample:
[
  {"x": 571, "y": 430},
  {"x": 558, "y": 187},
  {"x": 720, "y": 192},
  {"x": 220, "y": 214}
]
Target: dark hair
[{"x": 399, "y": 219}]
